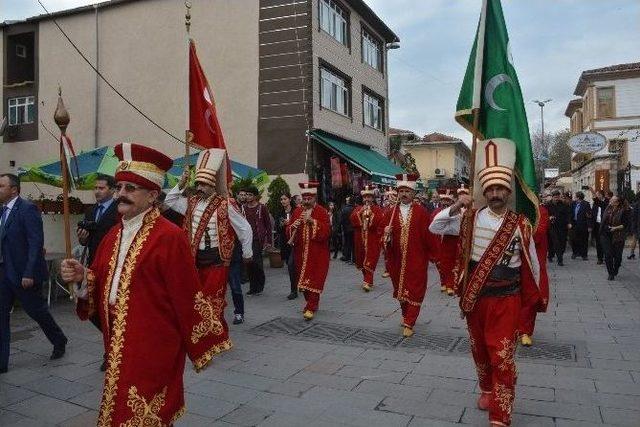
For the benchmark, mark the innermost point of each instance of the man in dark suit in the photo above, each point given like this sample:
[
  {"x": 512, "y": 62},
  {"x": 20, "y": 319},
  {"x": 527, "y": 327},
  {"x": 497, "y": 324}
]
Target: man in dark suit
[
  {"x": 97, "y": 222},
  {"x": 99, "y": 218},
  {"x": 600, "y": 203},
  {"x": 23, "y": 268},
  {"x": 347, "y": 231},
  {"x": 581, "y": 224},
  {"x": 560, "y": 221}
]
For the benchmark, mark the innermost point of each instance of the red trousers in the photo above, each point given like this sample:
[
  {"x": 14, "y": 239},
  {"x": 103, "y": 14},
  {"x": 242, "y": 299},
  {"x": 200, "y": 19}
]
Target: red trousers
[
  {"x": 367, "y": 276},
  {"x": 214, "y": 283},
  {"x": 493, "y": 329},
  {"x": 527, "y": 319},
  {"x": 312, "y": 299},
  {"x": 410, "y": 314}
]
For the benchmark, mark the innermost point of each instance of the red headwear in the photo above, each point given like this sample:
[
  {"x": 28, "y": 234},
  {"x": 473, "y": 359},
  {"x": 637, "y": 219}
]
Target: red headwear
[{"x": 141, "y": 165}]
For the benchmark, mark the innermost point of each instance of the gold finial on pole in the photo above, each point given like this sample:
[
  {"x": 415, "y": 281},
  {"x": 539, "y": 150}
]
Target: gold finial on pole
[
  {"x": 187, "y": 16},
  {"x": 62, "y": 119}
]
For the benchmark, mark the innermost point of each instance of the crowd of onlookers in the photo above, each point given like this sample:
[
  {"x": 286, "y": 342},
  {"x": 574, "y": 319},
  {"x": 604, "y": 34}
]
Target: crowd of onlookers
[{"x": 608, "y": 221}]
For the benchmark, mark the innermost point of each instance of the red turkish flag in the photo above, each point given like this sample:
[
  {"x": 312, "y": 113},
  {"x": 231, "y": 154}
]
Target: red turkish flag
[{"x": 203, "y": 119}]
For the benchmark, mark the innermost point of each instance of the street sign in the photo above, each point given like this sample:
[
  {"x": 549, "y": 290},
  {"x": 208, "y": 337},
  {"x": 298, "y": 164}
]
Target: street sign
[
  {"x": 550, "y": 173},
  {"x": 588, "y": 142}
]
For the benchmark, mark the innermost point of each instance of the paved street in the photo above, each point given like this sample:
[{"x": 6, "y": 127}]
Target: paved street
[{"x": 349, "y": 367}]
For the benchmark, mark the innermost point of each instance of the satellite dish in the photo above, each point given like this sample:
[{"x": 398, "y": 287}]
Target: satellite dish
[{"x": 3, "y": 125}]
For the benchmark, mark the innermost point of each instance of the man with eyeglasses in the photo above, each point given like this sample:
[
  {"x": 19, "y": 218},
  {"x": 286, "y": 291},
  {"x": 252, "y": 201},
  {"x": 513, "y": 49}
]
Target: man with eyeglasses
[{"x": 153, "y": 310}]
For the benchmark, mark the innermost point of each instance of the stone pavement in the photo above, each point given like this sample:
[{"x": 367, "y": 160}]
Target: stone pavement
[{"x": 584, "y": 371}]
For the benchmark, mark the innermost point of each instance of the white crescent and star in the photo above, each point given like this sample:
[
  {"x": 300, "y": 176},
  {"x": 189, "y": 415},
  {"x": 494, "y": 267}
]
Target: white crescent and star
[{"x": 490, "y": 88}]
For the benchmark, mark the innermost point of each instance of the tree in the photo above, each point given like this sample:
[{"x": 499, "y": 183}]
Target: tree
[
  {"x": 560, "y": 153},
  {"x": 409, "y": 163},
  {"x": 276, "y": 189}
]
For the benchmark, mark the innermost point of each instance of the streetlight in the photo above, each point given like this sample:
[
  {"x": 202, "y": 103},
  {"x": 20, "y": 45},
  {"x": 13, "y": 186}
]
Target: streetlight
[{"x": 545, "y": 153}]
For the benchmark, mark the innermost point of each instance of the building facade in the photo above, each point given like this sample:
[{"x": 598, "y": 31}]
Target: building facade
[
  {"x": 278, "y": 69},
  {"x": 440, "y": 159},
  {"x": 608, "y": 103}
]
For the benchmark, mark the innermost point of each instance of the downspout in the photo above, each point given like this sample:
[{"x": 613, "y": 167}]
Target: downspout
[{"x": 97, "y": 82}]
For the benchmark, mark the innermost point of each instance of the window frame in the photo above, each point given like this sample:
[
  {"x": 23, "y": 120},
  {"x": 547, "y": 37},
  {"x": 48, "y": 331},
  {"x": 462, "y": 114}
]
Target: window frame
[
  {"x": 366, "y": 34},
  {"x": 28, "y": 101},
  {"x": 347, "y": 86},
  {"x": 366, "y": 92},
  {"x": 336, "y": 9},
  {"x": 598, "y": 114}
]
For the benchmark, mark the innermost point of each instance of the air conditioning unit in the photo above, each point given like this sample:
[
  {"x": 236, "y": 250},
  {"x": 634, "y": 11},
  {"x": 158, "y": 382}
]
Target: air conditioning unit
[{"x": 439, "y": 172}]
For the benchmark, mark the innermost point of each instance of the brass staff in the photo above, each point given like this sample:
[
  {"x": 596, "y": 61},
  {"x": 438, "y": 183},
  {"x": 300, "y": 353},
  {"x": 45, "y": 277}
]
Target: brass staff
[{"x": 62, "y": 119}]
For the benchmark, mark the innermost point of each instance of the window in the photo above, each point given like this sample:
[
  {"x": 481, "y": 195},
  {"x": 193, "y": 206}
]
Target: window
[
  {"x": 372, "y": 110},
  {"x": 605, "y": 104},
  {"x": 334, "y": 20},
  {"x": 371, "y": 50},
  {"x": 21, "y": 110},
  {"x": 334, "y": 92}
]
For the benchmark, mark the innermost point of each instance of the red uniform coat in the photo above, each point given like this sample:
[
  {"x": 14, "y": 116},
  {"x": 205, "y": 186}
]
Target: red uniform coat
[
  {"x": 160, "y": 315},
  {"x": 367, "y": 240},
  {"x": 542, "y": 247},
  {"x": 445, "y": 254},
  {"x": 311, "y": 249},
  {"x": 408, "y": 253}
]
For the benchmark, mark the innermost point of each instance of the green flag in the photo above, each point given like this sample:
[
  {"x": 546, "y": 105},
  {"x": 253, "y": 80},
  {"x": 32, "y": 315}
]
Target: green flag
[{"x": 491, "y": 87}]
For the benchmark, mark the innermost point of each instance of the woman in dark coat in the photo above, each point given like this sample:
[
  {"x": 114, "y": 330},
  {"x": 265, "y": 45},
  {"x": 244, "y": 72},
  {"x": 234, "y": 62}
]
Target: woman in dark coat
[
  {"x": 613, "y": 232},
  {"x": 286, "y": 252}
]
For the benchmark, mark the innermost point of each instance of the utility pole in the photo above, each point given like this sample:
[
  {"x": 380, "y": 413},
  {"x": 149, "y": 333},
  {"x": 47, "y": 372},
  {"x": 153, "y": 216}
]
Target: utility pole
[{"x": 544, "y": 158}]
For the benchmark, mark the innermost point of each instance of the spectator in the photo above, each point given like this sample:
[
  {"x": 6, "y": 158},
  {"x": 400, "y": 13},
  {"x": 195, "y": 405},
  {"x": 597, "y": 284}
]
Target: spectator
[
  {"x": 334, "y": 220},
  {"x": 97, "y": 222},
  {"x": 347, "y": 231},
  {"x": 615, "y": 224},
  {"x": 560, "y": 222},
  {"x": 258, "y": 216},
  {"x": 597, "y": 210},
  {"x": 286, "y": 252},
  {"x": 581, "y": 224},
  {"x": 634, "y": 226},
  {"x": 23, "y": 268}
]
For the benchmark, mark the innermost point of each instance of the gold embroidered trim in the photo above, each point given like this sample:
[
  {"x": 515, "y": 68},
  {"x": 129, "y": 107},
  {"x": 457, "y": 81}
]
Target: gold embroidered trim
[
  {"x": 507, "y": 354},
  {"x": 205, "y": 359},
  {"x": 404, "y": 242},
  {"x": 305, "y": 255},
  {"x": 179, "y": 413},
  {"x": 91, "y": 288},
  {"x": 210, "y": 309},
  {"x": 112, "y": 374},
  {"x": 145, "y": 414},
  {"x": 504, "y": 397}
]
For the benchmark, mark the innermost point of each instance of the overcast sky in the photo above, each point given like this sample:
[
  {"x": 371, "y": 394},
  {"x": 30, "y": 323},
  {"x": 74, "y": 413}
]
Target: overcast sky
[{"x": 552, "y": 42}]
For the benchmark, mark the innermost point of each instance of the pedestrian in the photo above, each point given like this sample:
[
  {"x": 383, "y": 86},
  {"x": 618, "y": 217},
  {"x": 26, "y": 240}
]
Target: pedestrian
[
  {"x": 500, "y": 241},
  {"x": 334, "y": 220},
  {"x": 547, "y": 200},
  {"x": 144, "y": 284},
  {"x": 532, "y": 306},
  {"x": 347, "y": 231},
  {"x": 634, "y": 226},
  {"x": 597, "y": 210},
  {"x": 213, "y": 224},
  {"x": 408, "y": 244},
  {"x": 286, "y": 251},
  {"x": 258, "y": 216},
  {"x": 23, "y": 268},
  {"x": 308, "y": 231},
  {"x": 97, "y": 222},
  {"x": 559, "y": 224},
  {"x": 581, "y": 225},
  {"x": 615, "y": 224},
  {"x": 368, "y": 225}
]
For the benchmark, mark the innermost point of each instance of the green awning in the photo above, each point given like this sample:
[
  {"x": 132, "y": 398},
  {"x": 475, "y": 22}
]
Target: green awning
[{"x": 381, "y": 169}]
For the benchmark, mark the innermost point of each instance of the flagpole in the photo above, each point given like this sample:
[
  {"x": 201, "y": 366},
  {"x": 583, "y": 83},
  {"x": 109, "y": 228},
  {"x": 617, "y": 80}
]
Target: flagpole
[
  {"x": 62, "y": 119},
  {"x": 188, "y": 136}
]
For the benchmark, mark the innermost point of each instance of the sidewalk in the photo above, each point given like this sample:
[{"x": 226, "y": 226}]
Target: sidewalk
[{"x": 350, "y": 367}]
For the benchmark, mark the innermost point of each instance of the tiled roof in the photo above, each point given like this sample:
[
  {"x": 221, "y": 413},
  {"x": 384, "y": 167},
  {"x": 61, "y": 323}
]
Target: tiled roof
[
  {"x": 631, "y": 69},
  {"x": 438, "y": 137}
]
